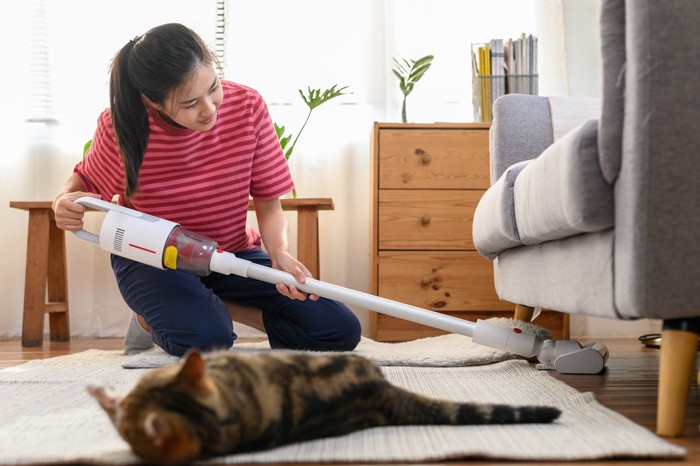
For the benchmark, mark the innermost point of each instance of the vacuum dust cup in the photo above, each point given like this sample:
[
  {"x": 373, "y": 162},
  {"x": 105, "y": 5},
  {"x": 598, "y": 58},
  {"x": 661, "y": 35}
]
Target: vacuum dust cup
[{"x": 189, "y": 252}]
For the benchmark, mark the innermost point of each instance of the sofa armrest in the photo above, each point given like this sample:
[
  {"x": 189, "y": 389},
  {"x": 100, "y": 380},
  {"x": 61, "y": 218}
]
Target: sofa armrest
[
  {"x": 521, "y": 130},
  {"x": 525, "y": 125}
]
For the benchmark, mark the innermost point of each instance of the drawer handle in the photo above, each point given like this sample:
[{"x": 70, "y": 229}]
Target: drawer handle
[
  {"x": 425, "y": 219},
  {"x": 425, "y": 157}
]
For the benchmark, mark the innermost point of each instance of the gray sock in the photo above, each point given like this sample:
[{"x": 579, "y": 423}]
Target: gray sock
[{"x": 137, "y": 340}]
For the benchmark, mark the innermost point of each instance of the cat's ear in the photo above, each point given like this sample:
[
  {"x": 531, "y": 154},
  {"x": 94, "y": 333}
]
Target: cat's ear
[
  {"x": 106, "y": 397},
  {"x": 171, "y": 440},
  {"x": 157, "y": 429},
  {"x": 193, "y": 370}
]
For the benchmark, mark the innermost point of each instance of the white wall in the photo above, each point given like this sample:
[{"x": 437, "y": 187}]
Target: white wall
[{"x": 273, "y": 49}]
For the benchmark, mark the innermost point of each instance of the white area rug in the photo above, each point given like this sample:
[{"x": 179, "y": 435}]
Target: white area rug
[
  {"x": 442, "y": 351},
  {"x": 46, "y": 416}
]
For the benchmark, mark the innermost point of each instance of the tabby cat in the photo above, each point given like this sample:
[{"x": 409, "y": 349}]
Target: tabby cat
[{"x": 225, "y": 402}]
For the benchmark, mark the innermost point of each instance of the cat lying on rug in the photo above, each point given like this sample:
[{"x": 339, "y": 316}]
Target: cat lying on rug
[{"x": 225, "y": 402}]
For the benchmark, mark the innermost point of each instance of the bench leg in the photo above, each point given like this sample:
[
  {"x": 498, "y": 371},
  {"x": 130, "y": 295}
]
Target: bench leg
[
  {"x": 307, "y": 239},
  {"x": 57, "y": 282},
  {"x": 35, "y": 278},
  {"x": 45, "y": 278}
]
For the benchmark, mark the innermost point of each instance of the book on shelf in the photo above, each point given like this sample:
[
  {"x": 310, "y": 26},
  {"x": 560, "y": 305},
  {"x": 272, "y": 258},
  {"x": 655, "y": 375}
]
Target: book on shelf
[{"x": 502, "y": 66}]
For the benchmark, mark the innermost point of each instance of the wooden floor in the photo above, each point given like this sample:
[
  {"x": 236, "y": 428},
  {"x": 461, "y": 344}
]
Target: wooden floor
[{"x": 628, "y": 386}]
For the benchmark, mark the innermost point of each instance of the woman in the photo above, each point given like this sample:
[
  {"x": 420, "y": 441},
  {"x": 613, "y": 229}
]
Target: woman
[{"x": 181, "y": 144}]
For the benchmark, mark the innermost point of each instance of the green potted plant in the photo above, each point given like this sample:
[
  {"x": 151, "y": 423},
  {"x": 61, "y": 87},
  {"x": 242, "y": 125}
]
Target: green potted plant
[
  {"x": 313, "y": 99},
  {"x": 409, "y": 73}
]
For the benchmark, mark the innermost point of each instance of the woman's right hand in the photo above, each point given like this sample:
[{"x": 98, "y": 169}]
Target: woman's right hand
[{"x": 68, "y": 214}]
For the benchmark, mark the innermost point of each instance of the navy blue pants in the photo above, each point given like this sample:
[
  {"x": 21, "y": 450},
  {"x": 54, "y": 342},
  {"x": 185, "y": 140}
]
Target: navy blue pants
[{"x": 186, "y": 311}]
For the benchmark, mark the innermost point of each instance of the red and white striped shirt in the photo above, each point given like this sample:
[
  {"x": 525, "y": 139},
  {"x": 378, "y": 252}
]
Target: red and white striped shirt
[{"x": 201, "y": 180}]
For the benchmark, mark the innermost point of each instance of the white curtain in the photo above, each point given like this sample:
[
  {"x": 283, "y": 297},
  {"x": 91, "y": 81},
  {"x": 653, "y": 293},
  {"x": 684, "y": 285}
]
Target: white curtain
[
  {"x": 552, "y": 41},
  {"x": 569, "y": 38},
  {"x": 276, "y": 47},
  {"x": 279, "y": 47},
  {"x": 80, "y": 36}
]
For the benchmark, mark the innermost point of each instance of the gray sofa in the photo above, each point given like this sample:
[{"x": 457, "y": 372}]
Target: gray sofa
[{"x": 594, "y": 206}]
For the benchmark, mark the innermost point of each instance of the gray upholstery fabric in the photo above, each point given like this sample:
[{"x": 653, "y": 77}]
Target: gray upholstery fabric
[
  {"x": 494, "y": 228},
  {"x": 612, "y": 32},
  {"x": 562, "y": 193},
  {"x": 519, "y": 133},
  {"x": 572, "y": 275},
  {"x": 657, "y": 224},
  {"x": 648, "y": 263}
]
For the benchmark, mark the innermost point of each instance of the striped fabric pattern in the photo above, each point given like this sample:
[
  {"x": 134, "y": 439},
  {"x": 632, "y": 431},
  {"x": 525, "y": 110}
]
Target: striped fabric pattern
[{"x": 202, "y": 180}]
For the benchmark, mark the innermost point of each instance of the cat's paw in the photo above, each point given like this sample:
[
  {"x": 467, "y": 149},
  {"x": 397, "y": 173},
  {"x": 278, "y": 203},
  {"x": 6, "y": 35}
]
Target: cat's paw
[{"x": 105, "y": 395}]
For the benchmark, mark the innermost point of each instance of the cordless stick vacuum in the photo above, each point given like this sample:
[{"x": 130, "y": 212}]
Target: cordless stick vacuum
[{"x": 164, "y": 244}]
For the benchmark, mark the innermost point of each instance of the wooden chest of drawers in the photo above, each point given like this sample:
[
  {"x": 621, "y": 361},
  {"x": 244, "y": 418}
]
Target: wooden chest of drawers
[{"x": 426, "y": 182}]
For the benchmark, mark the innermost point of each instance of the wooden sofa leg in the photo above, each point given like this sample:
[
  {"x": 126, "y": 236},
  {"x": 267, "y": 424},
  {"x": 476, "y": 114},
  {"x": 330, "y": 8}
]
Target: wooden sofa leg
[
  {"x": 524, "y": 313},
  {"x": 679, "y": 346}
]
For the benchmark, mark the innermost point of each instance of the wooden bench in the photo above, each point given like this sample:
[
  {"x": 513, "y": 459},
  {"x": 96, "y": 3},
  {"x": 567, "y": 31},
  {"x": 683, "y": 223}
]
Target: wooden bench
[{"x": 46, "y": 279}]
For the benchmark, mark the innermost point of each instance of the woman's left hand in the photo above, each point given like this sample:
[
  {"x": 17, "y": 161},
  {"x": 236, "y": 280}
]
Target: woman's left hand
[
  {"x": 273, "y": 229},
  {"x": 282, "y": 260}
]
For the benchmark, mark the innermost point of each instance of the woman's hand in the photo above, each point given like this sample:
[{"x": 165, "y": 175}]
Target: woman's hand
[
  {"x": 282, "y": 260},
  {"x": 273, "y": 228},
  {"x": 68, "y": 214}
]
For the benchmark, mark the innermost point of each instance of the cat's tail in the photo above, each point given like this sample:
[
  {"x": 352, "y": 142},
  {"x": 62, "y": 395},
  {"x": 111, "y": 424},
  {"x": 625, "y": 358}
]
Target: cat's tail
[
  {"x": 412, "y": 408},
  {"x": 470, "y": 413}
]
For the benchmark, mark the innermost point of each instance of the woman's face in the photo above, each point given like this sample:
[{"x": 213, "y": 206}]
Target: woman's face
[{"x": 195, "y": 103}]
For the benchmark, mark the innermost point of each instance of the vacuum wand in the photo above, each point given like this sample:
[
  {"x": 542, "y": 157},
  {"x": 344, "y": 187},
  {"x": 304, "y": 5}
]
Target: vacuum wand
[
  {"x": 163, "y": 244},
  {"x": 512, "y": 340}
]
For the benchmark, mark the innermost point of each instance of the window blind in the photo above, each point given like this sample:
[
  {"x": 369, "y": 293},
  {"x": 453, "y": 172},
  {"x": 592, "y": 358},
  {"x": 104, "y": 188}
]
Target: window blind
[
  {"x": 220, "y": 35},
  {"x": 40, "y": 108}
]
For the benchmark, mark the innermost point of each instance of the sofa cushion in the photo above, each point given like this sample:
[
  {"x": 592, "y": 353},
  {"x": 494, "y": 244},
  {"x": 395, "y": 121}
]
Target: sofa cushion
[
  {"x": 494, "y": 228},
  {"x": 563, "y": 192}
]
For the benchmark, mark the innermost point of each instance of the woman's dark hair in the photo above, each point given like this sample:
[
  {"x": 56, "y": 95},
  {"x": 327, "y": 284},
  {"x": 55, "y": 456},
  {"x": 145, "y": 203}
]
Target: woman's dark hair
[{"x": 151, "y": 65}]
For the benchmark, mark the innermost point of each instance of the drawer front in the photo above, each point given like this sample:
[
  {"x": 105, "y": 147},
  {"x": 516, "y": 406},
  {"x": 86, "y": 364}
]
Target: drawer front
[
  {"x": 425, "y": 220},
  {"x": 433, "y": 159},
  {"x": 448, "y": 281}
]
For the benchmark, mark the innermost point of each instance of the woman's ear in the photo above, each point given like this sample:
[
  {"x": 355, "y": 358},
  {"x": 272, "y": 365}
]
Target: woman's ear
[{"x": 150, "y": 105}]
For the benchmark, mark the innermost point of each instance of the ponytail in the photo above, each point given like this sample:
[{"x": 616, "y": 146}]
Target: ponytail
[{"x": 129, "y": 117}]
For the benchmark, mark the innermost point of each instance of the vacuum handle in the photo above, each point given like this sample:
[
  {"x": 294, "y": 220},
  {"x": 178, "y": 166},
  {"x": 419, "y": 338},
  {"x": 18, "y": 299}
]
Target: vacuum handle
[
  {"x": 88, "y": 236},
  {"x": 104, "y": 206}
]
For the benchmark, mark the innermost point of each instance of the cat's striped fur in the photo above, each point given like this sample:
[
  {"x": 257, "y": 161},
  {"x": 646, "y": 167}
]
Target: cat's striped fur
[{"x": 225, "y": 402}]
